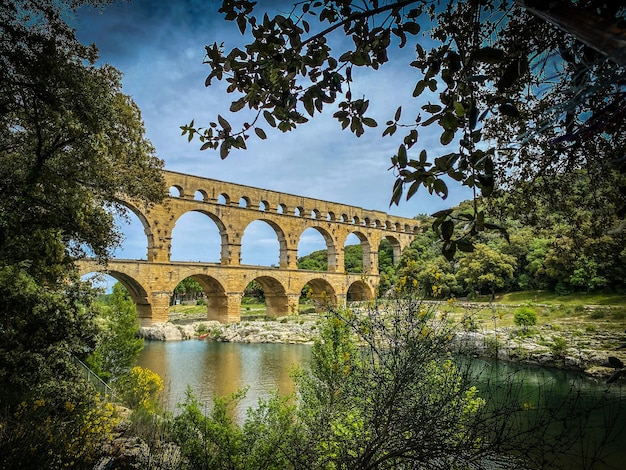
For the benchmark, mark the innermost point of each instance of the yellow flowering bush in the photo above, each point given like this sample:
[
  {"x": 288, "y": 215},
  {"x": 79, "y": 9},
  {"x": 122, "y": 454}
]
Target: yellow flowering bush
[
  {"x": 140, "y": 388},
  {"x": 44, "y": 434}
]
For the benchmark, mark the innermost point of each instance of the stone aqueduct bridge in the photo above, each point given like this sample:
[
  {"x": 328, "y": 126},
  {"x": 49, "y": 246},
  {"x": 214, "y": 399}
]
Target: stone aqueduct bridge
[{"x": 232, "y": 207}]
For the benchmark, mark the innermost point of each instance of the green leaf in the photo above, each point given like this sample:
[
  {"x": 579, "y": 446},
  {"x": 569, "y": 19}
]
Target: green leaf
[
  {"x": 465, "y": 245},
  {"x": 397, "y": 192},
  {"x": 459, "y": 109},
  {"x": 431, "y": 108},
  {"x": 269, "y": 118},
  {"x": 413, "y": 189},
  {"x": 441, "y": 188},
  {"x": 369, "y": 122},
  {"x": 447, "y": 229},
  {"x": 411, "y": 28},
  {"x": 398, "y": 114},
  {"x": 260, "y": 133},
  {"x": 420, "y": 86},
  {"x": 402, "y": 156},
  {"x": 225, "y": 149},
  {"x": 449, "y": 250},
  {"x": 443, "y": 213},
  {"x": 446, "y": 137},
  {"x": 224, "y": 123},
  {"x": 237, "y": 105}
]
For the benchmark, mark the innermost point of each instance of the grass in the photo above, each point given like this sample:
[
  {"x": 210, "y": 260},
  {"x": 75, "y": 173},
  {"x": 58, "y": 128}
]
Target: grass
[
  {"x": 249, "y": 311},
  {"x": 543, "y": 297},
  {"x": 586, "y": 312},
  {"x": 558, "y": 310}
]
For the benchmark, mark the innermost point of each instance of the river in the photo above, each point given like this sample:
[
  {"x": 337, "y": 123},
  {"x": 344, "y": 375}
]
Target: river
[{"x": 223, "y": 368}]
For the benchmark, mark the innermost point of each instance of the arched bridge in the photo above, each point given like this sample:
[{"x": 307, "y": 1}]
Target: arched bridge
[{"x": 232, "y": 207}]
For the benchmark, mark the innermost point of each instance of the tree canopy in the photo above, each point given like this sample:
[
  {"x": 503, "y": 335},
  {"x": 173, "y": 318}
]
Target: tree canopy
[
  {"x": 72, "y": 146},
  {"x": 518, "y": 90}
]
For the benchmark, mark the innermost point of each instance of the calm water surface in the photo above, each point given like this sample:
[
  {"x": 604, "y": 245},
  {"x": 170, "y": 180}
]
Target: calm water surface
[{"x": 223, "y": 368}]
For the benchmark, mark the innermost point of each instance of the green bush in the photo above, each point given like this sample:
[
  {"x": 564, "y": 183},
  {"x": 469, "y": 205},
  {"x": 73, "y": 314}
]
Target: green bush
[
  {"x": 558, "y": 346},
  {"x": 525, "y": 317}
]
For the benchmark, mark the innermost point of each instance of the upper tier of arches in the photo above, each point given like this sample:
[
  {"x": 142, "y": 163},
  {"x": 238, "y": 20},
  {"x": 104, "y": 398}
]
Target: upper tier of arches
[{"x": 234, "y": 207}]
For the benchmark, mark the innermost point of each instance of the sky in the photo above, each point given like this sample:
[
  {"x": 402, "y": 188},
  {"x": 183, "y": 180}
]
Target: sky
[{"x": 159, "y": 48}]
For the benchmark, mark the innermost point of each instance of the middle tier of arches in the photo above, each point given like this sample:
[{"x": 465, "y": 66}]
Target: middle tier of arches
[{"x": 231, "y": 223}]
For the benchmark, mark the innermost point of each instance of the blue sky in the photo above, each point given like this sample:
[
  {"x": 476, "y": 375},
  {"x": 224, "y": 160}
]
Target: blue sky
[{"x": 159, "y": 48}]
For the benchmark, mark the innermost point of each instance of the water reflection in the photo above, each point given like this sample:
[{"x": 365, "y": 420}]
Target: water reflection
[{"x": 223, "y": 368}]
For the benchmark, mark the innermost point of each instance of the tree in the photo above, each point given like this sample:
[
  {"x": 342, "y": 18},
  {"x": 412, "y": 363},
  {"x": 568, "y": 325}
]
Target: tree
[
  {"x": 71, "y": 145},
  {"x": 485, "y": 269},
  {"x": 118, "y": 343},
  {"x": 187, "y": 287},
  {"x": 524, "y": 89}
]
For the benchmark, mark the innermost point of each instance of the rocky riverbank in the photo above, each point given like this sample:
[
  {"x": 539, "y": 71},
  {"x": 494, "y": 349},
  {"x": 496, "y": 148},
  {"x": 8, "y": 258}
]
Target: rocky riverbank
[{"x": 547, "y": 345}]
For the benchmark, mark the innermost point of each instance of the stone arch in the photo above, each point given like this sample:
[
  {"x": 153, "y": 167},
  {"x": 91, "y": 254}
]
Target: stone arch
[
  {"x": 281, "y": 209},
  {"x": 331, "y": 216},
  {"x": 138, "y": 293},
  {"x": 264, "y": 206},
  {"x": 280, "y": 234},
  {"x": 359, "y": 291},
  {"x": 396, "y": 246},
  {"x": 315, "y": 214},
  {"x": 299, "y": 212},
  {"x": 331, "y": 248},
  {"x": 368, "y": 261},
  {"x": 356, "y": 220},
  {"x": 147, "y": 229},
  {"x": 200, "y": 195},
  {"x": 216, "y": 297},
  {"x": 223, "y": 198},
  {"x": 223, "y": 233},
  {"x": 176, "y": 191},
  {"x": 323, "y": 294},
  {"x": 276, "y": 299},
  {"x": 244, "y": 201}
]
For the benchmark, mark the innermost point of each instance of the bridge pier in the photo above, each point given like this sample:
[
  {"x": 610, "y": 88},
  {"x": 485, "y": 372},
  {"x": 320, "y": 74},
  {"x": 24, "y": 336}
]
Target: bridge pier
[
  {"x": 157, "y": 311},
  {"x": 224, "y": 307}
]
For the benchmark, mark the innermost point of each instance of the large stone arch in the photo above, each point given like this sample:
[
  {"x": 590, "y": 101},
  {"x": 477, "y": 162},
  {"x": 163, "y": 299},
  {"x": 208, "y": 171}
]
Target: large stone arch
[
  {"x": 331, "y": 248},
  {"x": 324, "y": 294},
  {"x": 147, "y": 227},
  {"x": 283, "y": 249},
  {"x": 276, "y": 298},
  {"x": 359, "y": 291},
  {"x": 370, "y": 257},
  {"x": 217, "y": 299},
  {"x": 221, "y": 227},
  {"x": 395, "y": 244},
  {"x": 138, "y": 293}
]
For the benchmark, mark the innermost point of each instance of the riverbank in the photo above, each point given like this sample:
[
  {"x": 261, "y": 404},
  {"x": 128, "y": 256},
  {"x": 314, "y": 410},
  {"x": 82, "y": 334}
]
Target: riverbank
[{"x": 560, "y": 346}]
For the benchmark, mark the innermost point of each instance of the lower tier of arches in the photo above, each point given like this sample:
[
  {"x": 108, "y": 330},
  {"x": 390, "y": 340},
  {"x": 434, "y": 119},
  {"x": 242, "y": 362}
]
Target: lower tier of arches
[{"x": 151, "y": 285}]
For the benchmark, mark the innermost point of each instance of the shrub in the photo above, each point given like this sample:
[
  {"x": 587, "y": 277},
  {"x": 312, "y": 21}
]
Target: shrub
[
  {"x": 558, "y": 346},
  {"x": 140, "y": 389},
  {"x": 525, "y": 317},
  {"x": 43, "y": 433}
]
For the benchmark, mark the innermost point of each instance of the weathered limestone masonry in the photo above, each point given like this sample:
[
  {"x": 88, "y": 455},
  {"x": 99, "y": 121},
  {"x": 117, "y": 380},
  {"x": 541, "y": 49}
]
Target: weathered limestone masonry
[{"x": 232, "y": 207}]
